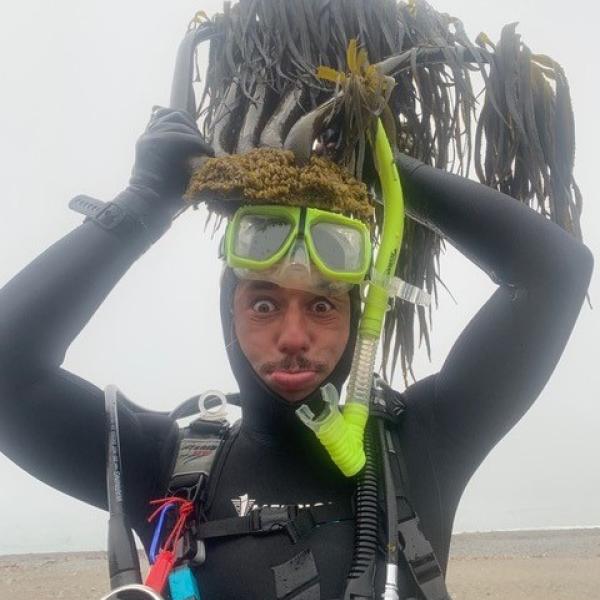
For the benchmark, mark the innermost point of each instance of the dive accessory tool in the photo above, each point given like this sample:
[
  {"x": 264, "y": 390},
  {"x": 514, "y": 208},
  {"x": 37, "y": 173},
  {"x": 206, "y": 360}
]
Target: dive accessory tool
[
  {"x": 165, "y": 561},
  {"x": 183, "y": 585}
]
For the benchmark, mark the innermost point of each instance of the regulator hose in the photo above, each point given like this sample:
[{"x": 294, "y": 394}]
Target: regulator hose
[
  {"x": 361, "y": 576},
  {"x": 123, "y": 561}
]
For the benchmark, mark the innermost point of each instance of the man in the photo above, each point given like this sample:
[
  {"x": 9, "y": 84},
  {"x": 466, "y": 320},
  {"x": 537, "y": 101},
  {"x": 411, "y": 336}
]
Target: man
[{"x": 283, "y": 344}]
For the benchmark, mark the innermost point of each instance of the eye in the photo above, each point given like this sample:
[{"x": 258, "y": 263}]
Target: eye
[
  {"x": 322, "y": 306},
  {"x": 263, "y": 306}
]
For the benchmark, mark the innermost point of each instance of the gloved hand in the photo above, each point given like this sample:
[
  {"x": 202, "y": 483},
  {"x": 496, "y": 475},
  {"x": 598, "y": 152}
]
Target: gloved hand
[
  {"x": 162, "y": 168},
  {"x": 163, "y": 153}
]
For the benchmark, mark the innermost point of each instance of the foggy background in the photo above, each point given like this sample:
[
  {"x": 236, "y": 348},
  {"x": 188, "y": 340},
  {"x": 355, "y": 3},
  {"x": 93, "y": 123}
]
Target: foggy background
[{"x": 78, "y": 81}]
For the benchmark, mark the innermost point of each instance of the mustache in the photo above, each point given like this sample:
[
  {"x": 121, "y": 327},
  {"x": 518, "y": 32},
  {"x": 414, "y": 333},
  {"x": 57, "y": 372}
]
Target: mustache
[{"x": 293, "y": 363}]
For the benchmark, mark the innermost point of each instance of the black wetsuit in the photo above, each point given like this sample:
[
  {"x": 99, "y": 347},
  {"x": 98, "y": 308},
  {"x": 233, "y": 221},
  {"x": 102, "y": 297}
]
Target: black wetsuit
[{"x": 52, "y": 422}]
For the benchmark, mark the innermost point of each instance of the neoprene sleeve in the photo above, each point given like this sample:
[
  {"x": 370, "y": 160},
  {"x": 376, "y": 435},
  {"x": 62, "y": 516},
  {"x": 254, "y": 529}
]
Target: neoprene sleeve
[
  {"x": 506, "y": 354},
  {"x": 52, "y": 422},
  {"x": 512, "y": 243}
]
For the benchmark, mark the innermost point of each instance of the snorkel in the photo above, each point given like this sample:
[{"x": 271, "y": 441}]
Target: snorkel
[{"x": 342, "y": 433}]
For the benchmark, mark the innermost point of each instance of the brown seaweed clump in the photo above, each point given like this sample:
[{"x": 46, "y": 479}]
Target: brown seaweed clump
[{"x": 270, "y": 176}]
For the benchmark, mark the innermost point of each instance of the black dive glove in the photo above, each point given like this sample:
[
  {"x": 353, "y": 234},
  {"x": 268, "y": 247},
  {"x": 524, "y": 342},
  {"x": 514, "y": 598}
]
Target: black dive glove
[{"x": 160, "y": 174}]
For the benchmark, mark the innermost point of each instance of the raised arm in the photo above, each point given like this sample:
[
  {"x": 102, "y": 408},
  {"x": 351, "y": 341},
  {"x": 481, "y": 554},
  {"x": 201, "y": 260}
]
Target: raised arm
[
  {"x": 506, "y": 354},
  {"x": 52, "y": 422}
]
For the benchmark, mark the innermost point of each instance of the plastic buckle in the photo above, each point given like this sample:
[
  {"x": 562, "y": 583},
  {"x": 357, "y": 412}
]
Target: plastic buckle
[
  {"x": 378, "y": 405},
  {"x": 300, "y": 525},
  {"x": 271, "y": 518},
  {"x": 186, "y": 547},
  {"x": 421, "y": 560},
  {"x": 255, "y": 520},
  {"x": 376, "y": 280},
  {"x": 189, "y": 492},
  {"x": 385, "y": 403}
]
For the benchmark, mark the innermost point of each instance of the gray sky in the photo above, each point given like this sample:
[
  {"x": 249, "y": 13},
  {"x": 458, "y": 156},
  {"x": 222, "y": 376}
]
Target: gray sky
[{"x": 78, "y": 82}]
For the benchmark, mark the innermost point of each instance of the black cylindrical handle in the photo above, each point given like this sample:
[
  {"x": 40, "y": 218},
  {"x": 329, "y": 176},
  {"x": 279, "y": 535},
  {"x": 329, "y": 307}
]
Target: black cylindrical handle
[{"x": 182, "y": 90}]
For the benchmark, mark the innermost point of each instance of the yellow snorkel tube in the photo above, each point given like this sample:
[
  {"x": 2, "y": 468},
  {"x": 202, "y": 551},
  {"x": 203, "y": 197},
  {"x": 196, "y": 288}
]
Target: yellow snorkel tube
[{"x": 342, "y": 432}]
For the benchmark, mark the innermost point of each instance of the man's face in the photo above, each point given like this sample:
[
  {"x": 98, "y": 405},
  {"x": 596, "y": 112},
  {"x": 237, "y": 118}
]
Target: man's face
[{"x": 293, "y": 339}]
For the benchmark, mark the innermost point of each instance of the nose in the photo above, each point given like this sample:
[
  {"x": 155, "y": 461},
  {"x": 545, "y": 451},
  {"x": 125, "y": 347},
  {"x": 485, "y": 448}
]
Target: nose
[
  {"x": 294, "y": 335},
  {"x": 298, "y": 262}
]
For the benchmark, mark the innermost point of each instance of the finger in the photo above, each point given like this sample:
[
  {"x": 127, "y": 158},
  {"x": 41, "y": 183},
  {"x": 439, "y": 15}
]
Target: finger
[
  {"x": 178, "y": 142},
  {"x": 195, "y": 162},
  {"x": 162, "y": 116},
  {"x": 169, "y": 127}
]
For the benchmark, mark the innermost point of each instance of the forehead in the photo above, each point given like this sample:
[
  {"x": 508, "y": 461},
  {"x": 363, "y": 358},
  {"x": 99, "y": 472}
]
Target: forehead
[{"x": 247, "y": 287}]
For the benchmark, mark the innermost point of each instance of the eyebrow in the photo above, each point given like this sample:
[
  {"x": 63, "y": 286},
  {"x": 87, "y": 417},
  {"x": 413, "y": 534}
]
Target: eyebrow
[{"x": 257, "y": 285}]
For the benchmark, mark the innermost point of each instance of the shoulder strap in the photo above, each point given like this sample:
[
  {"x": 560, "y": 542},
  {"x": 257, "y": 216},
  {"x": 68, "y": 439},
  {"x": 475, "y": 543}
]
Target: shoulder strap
[
  {"x": 219, "y": 463},
  {"x": 197, "y": 462},
  {"x": 414, "y": 546},
  {"x": 198, "y": 447},
  {"x": 199, "y": 452}
]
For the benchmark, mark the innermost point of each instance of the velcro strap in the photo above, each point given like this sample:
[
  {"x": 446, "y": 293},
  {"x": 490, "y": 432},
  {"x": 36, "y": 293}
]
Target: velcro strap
[
  {"x": 86, "y": 205},
  {"x": 298, "y": 522},
  {"x": 109, "y": 215}
]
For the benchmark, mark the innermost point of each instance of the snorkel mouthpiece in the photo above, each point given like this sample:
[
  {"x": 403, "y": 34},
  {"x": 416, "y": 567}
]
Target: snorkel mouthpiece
[{"x": 342, "y": 433}]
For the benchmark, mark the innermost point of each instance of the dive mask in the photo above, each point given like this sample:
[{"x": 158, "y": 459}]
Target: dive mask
[{"x": 297, "y": 247}]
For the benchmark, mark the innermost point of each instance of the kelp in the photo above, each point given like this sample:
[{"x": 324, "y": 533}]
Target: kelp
[
  {"x": 271, "y": 176},
  {"x": 274, "y": 60}
]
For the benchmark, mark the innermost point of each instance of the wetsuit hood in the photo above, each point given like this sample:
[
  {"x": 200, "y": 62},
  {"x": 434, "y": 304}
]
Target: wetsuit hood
[{"x": 265, "y": 412}]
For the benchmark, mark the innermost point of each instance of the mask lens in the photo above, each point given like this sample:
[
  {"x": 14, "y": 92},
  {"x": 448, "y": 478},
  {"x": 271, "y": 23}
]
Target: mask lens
[
  {"x": 339, "y": 247},
  {"x": 259, "y": 237}
]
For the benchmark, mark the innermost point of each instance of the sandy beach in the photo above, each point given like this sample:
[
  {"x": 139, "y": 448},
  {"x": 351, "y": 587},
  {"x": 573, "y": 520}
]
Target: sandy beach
[{"x": 532, "y": 565}]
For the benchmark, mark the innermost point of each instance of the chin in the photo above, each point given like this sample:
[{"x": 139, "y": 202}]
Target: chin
[{"x": 296, "y": 398}]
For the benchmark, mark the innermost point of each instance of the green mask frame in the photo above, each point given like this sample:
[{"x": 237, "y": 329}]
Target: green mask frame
[{"x": 259, "y": 237}]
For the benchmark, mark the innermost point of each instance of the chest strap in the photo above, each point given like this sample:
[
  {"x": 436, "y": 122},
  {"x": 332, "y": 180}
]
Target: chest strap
[{"x": 297, "y": 522}]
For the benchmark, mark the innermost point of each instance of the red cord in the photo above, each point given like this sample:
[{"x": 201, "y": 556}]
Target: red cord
[{"x": 185, "y": 509}]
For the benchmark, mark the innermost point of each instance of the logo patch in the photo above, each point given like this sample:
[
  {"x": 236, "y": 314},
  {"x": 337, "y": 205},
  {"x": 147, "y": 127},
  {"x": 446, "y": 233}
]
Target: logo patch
[{"x": 243, "y": 505}]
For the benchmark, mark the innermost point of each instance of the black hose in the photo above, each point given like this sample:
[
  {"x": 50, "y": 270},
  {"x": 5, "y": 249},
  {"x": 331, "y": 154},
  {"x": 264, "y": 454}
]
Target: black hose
[
  {"x": 182, "y": 90},
  {"x": 123, "y": 561},
  {"x": 360, "y": 581}
]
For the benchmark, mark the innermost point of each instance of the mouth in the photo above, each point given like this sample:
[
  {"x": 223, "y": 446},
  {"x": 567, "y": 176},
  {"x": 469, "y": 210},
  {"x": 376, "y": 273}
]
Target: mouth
[{"x": 293, "y": 381}]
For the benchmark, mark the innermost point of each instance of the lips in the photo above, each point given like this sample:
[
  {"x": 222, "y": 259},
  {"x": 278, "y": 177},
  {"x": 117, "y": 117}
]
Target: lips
[{"x": 293, "y": 381}]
